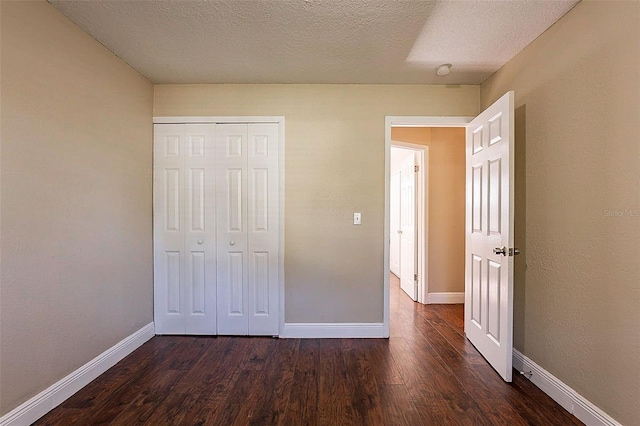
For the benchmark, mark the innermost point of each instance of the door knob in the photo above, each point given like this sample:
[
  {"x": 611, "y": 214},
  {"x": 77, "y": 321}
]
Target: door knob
[
  {"x": 199, "y": 241},
  {"x": 503, "y": 251},
  {"x": 500, "y": 250},
  {"x": 231, "y": 242},
  {"x": 399, "y": 231}
]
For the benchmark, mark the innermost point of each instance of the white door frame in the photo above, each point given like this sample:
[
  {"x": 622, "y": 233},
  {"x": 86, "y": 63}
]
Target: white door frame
[
  {"x": 403, "y": 121},
  {"x": 255, "y": 119},
  {"x": 422, "y": 225}
]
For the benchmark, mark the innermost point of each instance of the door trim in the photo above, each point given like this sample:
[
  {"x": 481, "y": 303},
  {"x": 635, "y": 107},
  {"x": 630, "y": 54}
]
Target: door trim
[
  {"x": 403, "y": 121},
  {"x": 279, "y": 119},
  {"x": 218, "y": 119}
]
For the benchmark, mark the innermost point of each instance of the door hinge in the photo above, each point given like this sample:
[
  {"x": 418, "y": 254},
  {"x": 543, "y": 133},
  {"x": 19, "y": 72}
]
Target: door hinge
[
  {"x": 415, "y": 277},
  {"x": 416, "y": 168}
]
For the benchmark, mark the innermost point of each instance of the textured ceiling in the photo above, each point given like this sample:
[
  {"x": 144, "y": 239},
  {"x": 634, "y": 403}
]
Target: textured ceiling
[{"x": 314, "y": 41}]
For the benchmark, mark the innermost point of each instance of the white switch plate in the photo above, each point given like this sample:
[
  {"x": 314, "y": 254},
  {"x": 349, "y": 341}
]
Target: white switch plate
[{"x": 357, "y": 218}]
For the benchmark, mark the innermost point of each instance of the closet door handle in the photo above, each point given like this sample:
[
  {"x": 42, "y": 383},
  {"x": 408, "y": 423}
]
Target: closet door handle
[
  {"x": 231, "y": 242},
  {"x": 199, "y": 241}
]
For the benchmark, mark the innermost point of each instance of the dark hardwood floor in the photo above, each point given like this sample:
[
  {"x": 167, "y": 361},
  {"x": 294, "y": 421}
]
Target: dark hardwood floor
[{"x": 426, "y": 373}]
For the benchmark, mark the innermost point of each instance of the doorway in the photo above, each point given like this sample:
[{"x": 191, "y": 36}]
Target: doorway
[
  {"x": 438, "y": 247},
  {"x": 488, "y": 226}
]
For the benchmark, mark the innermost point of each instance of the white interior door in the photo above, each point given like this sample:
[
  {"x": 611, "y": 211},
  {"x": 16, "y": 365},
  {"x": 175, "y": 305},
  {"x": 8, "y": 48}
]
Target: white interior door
[
  {"x": 408, "y": 262},
  {"x": 247, "y": 231},
  {"x": 489, "y": 234},
  {"x": 184, "y": 229},
  {"x": 394, "y": 224}
]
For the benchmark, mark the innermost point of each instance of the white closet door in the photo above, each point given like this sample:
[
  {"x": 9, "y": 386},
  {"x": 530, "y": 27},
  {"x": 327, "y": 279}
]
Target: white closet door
[
  {"x": 184, "y": 229},
  {"x": 168, "y": 211},
  {"x": 247, "y": 234},
  {"x": 263, "y": 205},
  {"x": 216, "y": 229},
  {"x": 231, "y": 193}
]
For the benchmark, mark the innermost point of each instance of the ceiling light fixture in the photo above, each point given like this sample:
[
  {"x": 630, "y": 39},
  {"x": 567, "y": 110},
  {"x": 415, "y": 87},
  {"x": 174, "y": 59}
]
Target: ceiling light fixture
[{"x": 443, "y": 69}]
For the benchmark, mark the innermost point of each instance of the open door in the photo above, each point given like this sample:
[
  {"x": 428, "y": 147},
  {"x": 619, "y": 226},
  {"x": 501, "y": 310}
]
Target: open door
[
  {"x": 394, "y": 224},
  {"x": 408, "y": 228},
  {"x": 488, "y": 308}
]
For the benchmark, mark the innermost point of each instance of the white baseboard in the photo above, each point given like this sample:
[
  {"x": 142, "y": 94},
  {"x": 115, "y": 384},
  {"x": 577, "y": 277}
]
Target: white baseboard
[
  {"x": 30, "y": 411},
  {"x": 332, "y": 330},
  {"x": 568, "y": 398},
  {"x": 445, "y": 298}
]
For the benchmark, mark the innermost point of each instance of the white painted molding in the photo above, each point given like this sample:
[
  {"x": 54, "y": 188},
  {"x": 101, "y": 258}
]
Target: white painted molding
[
  {"x": 569, "y": 399},
  {"x": 446, "y": 298},
  {"x": 36, "y": 407},
  {"x": 332, "y": 330},
  {"x": 427, "y": 121},
  {"x": 281, "y": 240},
  {"x": 218, "y": 119}
]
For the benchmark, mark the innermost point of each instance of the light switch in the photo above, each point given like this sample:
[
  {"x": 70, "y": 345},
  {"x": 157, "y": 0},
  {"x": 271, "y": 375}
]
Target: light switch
[{"x": 357, "y": 218}]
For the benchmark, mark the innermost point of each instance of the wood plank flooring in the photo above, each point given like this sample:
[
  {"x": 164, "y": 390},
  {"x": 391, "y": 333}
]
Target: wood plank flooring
[{"x": 426, "y": 373}]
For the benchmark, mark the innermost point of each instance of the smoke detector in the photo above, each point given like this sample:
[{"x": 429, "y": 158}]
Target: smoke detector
[{"x": 443, "y": 69}]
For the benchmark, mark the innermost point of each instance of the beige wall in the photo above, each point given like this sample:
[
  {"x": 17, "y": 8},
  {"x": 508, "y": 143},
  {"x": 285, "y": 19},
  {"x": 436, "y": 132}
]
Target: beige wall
[
  {"x": 446, "y": 202},
  {"x": 334, "y": 158},
  {"x": 577, "y": 294},
  {"x": 76, "y": 200}
]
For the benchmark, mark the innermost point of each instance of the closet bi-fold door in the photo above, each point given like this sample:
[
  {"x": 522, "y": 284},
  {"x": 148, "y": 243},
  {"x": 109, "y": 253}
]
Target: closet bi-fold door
[
  {"x": 247, "y": 234},
  {"x": 184, "y": 229}
]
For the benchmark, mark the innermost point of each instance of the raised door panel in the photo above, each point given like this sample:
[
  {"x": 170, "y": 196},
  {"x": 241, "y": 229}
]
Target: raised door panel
[
  {"x": 235, "y": 266},
  {"x": 493, "y": 301},
  {"x": 476, "y": 291},
  {"x": 171, "y": 275},
  {"x": 231, "y": 235},
  {"x": 263, "y": 226},
  {"x": 197, "y": 283},
  {"x": 494, "y": 196}
]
